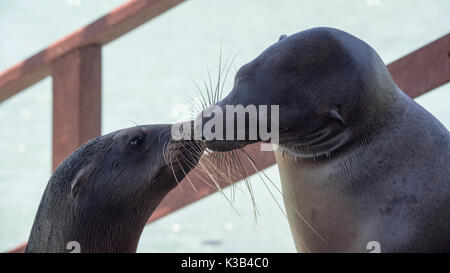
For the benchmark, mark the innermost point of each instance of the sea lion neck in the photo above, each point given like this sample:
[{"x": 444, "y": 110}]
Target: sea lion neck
[{"x": 96, "y": 227}]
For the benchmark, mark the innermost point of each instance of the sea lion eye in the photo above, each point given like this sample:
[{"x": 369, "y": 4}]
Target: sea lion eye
[{"x": 136, "y": 141}]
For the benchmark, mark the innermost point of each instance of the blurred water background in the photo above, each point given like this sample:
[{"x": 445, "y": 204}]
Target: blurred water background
[{"x": 147, "y": 78}]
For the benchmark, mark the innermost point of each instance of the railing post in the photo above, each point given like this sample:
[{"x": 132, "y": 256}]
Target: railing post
[{"x": 77, "y": 84}]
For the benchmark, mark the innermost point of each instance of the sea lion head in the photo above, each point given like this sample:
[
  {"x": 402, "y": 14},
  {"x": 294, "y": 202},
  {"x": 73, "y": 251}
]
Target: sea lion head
[
  {"x": 139, "y": 163},
  {"x": 326, "y": 83}
]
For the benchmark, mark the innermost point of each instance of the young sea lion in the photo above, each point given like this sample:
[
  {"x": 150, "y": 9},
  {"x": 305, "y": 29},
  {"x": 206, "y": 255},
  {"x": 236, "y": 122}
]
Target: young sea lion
[{"x": 102, "y": 195}]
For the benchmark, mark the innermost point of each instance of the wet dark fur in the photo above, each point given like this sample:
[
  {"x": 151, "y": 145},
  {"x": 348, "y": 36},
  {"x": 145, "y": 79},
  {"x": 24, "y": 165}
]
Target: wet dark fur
[{"x": 102, "y": 195}]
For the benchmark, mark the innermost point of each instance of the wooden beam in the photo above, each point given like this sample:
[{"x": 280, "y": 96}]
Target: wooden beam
[
  {"x": 104, "y": 30},
  {"x": 423, "y": 69},
  {"x": 19, "y": 249},
  {"x": 77, "y": 88}
]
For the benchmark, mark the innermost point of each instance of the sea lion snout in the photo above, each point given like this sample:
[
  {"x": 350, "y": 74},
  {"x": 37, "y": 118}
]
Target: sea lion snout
[{"x": 225, "y": 126}]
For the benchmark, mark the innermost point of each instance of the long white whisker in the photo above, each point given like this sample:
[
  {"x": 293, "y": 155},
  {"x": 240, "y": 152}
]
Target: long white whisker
[{"x": 290, "y": 204}]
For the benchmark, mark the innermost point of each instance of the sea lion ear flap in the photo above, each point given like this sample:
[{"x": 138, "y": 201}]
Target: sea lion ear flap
[
  {"x": 336, "y": 117},
  {"x": 80, "y": 179},
  {"x": 282, "y": 37}
]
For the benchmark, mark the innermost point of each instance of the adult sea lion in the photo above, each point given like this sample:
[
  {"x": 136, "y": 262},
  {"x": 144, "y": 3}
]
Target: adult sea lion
[
  {"x": 101, "y": 196},
  {"x": 361, "y": 163}
]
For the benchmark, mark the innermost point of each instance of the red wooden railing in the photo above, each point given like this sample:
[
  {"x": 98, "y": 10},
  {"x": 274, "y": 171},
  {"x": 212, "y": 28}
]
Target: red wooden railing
[{"x": 74, "y": 63}]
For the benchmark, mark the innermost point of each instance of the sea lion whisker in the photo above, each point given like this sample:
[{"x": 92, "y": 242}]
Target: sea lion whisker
[
  {"x": 290, "y": 204},
  {"x": 228, "y": 160},
  {"x": 273, "y": 197},
  {"x": 212, "y": 163},
  {"x": 193, "y": 156},
  {"x": 258, "y": 171},
  {"x": 192, "y": 152},
  {"x": 247, "y": 183},
  {"x": 210, "y": 89},
  {"x": 174, "y": 175},
  {"x": 219, "y": 160},
  {"x": 200, "y": 92},
  {"x": 200, "y": 169},
  {"x": 201, "y": 166},
  {"x": 197, "y": 107},
  {"x": 265, "y": 184},
  {"x": 218, "y": 170},
  {"x": 227, "y": 71},
  {"x": 205, "y": 159},
  {"x": 187, "y": 177},
  {"x": 216, "y": 92},
  {"x": 208, "y": 98},
  {"x": 221, "y": 191}
]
